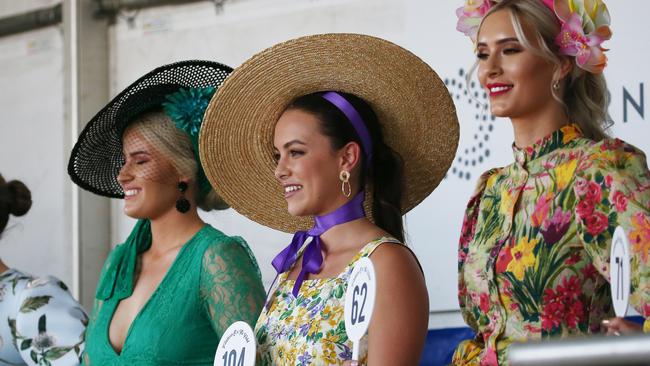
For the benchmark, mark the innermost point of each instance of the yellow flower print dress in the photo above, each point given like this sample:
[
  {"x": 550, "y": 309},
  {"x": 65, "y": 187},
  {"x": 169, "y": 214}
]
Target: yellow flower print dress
[
  {"x": 309, "y": 329},
  {"x": 535, "y": 243}
]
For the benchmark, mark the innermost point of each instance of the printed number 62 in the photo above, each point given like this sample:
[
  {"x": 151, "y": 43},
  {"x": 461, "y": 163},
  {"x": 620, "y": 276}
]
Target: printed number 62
[{"x": 357, "y": 314}]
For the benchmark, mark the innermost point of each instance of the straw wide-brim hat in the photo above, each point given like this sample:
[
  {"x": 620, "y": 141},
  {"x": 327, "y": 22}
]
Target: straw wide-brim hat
[{"x": 414, "y": 108}]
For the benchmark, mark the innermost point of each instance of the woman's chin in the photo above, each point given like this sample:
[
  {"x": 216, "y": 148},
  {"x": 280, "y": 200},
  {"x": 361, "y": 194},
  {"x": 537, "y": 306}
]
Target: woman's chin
[
  {"x": 500, "y": 111},
  {"x": 294, "y": 212},
  {"x": 134, "y": 213},
  {"x": 298, "y": 210}
]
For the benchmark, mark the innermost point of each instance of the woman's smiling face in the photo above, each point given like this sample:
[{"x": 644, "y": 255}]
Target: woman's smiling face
[
  {"x": 148, "y": 179},
  {"x": 307, "y": 165},
  {"x": 516, "y": 78}
]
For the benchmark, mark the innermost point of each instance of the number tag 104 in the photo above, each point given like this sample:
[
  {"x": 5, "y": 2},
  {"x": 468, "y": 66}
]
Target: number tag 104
[
  {"x": 236, "y": 347},
  {"x": 359, "y": 302}
]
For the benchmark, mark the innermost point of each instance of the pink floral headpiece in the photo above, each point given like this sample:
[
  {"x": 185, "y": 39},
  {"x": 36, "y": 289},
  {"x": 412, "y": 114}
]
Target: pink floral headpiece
[{"x": 584, "y": 27}]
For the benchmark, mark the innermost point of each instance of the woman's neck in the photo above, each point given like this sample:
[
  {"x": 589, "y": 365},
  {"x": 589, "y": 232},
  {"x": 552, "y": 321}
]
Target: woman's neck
[
  {"x": 350, "y": 235},
  {"x": 174, "y": 229},
  {"x": 3, "y": 266},
  {"x": 529, "y": 129}
]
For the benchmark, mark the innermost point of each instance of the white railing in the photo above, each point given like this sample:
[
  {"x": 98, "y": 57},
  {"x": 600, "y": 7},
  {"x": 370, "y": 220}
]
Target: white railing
[{"x": 587, "y": 351}]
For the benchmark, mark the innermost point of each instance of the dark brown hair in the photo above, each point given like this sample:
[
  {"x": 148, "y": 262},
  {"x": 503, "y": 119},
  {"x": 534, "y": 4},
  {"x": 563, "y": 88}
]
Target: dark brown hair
[
  {"x": 15, "y": 199},
  {"x": 383, "y": 175}
]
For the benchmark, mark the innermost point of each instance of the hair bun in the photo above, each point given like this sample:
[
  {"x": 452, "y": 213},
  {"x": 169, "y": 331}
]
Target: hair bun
[{"x": 20, "y": 198}]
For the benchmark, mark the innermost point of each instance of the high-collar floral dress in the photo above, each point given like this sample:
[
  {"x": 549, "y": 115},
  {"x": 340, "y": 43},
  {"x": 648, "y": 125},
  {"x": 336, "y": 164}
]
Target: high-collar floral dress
[{"x": 534, "y": 250}]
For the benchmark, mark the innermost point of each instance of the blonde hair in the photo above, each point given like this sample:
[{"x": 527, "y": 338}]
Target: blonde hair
[
  {"x": 175, "y": 145},
  {"x": 586, "y": 98}
]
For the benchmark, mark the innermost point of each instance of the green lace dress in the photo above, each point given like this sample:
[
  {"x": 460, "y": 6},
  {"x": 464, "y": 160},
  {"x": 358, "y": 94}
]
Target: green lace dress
[{"x": 213, "y": 282}]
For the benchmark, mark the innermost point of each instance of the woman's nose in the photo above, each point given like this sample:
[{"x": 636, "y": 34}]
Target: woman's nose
[
  {"x": 491, "y": 67},
  {"x": 124, "y": 175},
  {"x": 281, "y": 172}
]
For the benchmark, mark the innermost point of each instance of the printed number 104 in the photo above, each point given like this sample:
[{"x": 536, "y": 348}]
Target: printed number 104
[{"x": 231, "y": 359}]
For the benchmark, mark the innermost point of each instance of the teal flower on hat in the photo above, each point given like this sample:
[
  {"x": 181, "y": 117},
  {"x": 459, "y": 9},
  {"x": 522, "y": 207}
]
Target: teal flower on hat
[{"x": 187, "y": 106}]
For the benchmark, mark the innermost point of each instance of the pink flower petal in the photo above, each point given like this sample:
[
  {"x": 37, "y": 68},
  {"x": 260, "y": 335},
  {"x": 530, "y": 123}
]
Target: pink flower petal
[
  {"x": 596, "y": 62},
  {"x": 583, "y": 56}
]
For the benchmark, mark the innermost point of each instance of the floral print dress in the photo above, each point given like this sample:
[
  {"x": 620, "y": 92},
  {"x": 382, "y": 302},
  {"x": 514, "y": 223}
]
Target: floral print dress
[
  {"x": 309, "y": 329},
  {"x": 40, "y": 322},
  {"x": 535, "y": 243}
]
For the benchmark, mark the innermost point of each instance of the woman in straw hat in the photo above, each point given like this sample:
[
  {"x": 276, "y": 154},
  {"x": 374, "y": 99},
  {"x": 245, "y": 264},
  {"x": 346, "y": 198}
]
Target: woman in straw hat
[
  {"x": 535, "y": 244},
  {"x": 169, "y": 292},
  {"x": 42, "y": 324},
  {"x": 342, "y": 133}
]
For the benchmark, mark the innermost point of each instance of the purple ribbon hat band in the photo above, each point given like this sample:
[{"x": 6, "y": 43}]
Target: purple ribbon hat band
[{"x": 355, "y": 119}]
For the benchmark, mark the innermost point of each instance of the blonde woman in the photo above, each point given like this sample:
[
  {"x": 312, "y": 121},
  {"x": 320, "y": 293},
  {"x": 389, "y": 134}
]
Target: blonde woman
[
  {"x": 535, "y": 242},
  {"x": 168, "y": 293}
]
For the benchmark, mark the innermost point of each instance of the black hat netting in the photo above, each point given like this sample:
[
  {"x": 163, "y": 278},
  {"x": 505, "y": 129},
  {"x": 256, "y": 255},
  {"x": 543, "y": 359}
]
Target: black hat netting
[{"x": 97, "y": 157}]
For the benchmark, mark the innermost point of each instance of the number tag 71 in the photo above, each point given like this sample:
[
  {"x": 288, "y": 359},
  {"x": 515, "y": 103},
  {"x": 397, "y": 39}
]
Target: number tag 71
[
  {"x": 359, "y": 302},
  {"x": 619, "y": 271}
]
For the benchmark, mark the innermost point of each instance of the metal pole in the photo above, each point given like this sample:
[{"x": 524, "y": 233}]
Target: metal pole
[
  {"x": 589, "y": 351},
  {"x": 109, "y": 8},
  {"x": 86, "y": 91},
  {"x": 31, "y": 20},
  {"x": 102, "y": 9}
]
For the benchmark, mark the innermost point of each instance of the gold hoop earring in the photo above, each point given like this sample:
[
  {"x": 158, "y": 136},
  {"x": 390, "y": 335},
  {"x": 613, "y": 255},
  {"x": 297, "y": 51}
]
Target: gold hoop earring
[
  {"x": 344, "y": 176},
  {"x": 556, "y": 85}
]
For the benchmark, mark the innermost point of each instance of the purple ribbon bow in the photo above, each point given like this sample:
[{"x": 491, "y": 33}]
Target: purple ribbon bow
[{"x": 312, "y": 258}]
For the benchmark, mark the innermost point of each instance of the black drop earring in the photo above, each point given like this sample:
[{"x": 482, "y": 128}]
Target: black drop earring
[{"x": 182, "y": 204}]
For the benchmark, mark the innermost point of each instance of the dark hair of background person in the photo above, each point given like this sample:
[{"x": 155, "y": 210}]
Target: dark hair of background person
[
  {"x": 385, "y": 173},
  {"x": 15, "y": 199}
]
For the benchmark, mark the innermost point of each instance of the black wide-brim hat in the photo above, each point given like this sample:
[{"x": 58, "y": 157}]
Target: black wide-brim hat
[{"x": 96, "y": 158}]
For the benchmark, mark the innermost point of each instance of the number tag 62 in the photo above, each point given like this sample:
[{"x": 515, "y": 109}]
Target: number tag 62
[{"x": 360, "y": 299}]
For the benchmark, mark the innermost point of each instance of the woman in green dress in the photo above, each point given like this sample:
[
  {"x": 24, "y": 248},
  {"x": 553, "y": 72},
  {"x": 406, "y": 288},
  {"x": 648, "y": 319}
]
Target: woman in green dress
[{"x": 168, "y": 293}]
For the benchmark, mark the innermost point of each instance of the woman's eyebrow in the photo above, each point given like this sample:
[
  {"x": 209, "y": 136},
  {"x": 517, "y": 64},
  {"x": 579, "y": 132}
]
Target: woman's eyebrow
[
  {"x": 501, "y": 41},
  {"x": 293, "y": 142},
  {"x": 138, "y": 152}
]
